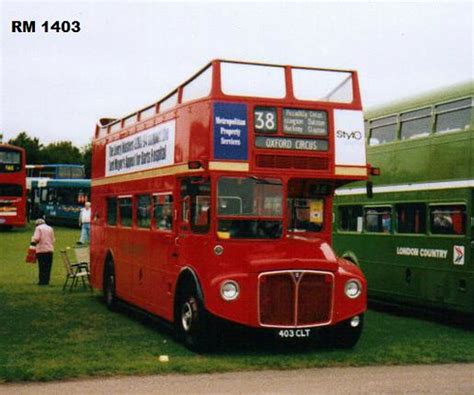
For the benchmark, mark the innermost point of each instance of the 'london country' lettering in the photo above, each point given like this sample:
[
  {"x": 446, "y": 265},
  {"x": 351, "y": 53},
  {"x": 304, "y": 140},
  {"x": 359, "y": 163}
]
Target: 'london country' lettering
[{"x": 422, "y": 252}]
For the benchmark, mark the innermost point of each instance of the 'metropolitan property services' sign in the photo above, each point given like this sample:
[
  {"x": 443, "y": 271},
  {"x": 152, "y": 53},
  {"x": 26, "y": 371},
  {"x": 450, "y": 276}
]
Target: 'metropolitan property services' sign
[{"x": 149, "y": 149}]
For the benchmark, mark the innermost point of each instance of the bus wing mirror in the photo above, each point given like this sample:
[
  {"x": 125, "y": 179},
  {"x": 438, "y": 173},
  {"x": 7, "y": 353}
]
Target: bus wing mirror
[{"x": 370, "y": 189}]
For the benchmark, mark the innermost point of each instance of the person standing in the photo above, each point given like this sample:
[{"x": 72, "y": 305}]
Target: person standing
[
  {"x": 43, "y": 239},
  {"x": 85, "y": 223}
]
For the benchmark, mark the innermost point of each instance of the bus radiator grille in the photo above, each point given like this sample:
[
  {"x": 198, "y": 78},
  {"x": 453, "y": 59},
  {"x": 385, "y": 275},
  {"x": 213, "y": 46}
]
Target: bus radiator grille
[
  {"x": 295, "y": 298},
  {"x": 292, "y": 162}
]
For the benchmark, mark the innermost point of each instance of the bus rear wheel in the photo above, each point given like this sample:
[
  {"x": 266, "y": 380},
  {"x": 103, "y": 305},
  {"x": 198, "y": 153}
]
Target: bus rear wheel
[
  {"x": 192, "y": 323},
  {"x": 109, "y": 287},
  {"x": 345, "y": 334}
]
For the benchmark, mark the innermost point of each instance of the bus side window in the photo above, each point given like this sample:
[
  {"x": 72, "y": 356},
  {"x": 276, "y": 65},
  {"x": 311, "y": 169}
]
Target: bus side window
[
  {"x": 350, "y": 218},
  {"x": 143, "y": 211},
  {"x": 378, "y": 219},
  {"x": 125, "y": 210},
  {"x": 111, "y": 211},
  {"x": 448, "y": 220},
  {"x": 411, "y": 218},
  {"x": 196, "y": 205},
  {"x": 163, "y": 211},
  {"x": 44, "y": 194}
]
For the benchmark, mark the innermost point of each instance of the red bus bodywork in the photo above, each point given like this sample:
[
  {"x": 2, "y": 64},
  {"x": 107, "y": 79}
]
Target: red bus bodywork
[
  {"x": 12, "y": 186},
  {"x": 286, "y": 279}
]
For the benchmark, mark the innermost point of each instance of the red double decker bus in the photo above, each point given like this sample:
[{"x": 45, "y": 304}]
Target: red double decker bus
[
  {"x": 216, "y": 201},
  {"x": 12, "y": 186}
]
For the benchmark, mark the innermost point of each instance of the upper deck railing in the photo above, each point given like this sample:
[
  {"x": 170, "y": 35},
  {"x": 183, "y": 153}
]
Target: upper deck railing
[{"x": 222, "y": 79}]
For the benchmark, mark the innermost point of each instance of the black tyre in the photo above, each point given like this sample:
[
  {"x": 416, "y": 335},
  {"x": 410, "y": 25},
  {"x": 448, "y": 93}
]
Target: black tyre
[
  {"x": 343, "y": 335},
  {"x": 192, "y": 323},
  {"x": 110, "y": 298}
]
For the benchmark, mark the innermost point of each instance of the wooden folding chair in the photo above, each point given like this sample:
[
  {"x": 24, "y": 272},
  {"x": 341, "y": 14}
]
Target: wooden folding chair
[{"x": 74, "y": 272}]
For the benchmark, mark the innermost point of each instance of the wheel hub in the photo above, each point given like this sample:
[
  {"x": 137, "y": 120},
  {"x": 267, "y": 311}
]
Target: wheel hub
[{"x": 187, "y": 313}]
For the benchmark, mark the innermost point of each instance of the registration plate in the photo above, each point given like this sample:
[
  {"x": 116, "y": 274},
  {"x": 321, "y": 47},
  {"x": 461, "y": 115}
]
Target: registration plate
[{"x": 294, "y": 333}]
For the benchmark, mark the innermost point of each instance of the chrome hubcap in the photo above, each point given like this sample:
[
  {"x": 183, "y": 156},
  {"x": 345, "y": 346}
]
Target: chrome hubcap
[{"x": 187, "y": 316}]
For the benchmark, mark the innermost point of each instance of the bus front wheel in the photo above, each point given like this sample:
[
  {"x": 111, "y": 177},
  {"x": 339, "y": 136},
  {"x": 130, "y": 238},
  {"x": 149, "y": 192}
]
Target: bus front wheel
[
  {"x": 192, "y": 323},
  {"x": 109, "y": 287}
]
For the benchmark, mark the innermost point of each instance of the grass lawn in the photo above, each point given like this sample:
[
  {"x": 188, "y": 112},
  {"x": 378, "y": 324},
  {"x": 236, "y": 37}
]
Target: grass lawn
[{"x": 47, "y": 335}]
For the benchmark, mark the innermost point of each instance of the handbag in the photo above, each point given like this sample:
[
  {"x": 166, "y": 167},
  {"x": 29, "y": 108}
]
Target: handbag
[{"x": 31, "y": 255}]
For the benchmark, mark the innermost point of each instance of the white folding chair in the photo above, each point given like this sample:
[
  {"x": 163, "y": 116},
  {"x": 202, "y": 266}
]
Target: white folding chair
[{"x": 74, "y": 272}]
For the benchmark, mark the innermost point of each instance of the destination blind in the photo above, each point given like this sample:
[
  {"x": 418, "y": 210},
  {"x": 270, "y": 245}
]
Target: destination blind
[
  {"x": 286, "y": 143},
  {"x": 305, "y": 122}
]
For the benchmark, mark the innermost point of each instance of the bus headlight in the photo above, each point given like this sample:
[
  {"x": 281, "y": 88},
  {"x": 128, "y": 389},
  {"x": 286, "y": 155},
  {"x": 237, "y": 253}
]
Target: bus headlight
[
  {"x": 229, "y": 290},
  {"x": 353, "y": 289}
]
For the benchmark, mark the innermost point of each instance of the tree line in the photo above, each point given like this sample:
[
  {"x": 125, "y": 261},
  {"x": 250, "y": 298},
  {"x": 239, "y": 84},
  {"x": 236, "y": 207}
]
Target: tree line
[{"x": 57, "y": 152}]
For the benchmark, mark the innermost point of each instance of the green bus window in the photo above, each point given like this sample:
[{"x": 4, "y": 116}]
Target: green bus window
[
  {"x": 111, "y": 211},
  {"x": 453, "y": 116},
  {"x": 163, "y": 211},
  {"x": 448, "y": 220},
  {"x": 411, "y": 218},
  {"x": 378, "y": 219},
  {"x": 144, "y": 211},
  {"x": 350, "y": 218},
  {"x": 383, "y": 130},
  {"x": 415, "y": 123},
  {"x": 125, "y": 209}
]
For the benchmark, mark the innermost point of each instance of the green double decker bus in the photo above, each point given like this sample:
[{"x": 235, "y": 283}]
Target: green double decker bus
[{"x": 414, "y": 238}]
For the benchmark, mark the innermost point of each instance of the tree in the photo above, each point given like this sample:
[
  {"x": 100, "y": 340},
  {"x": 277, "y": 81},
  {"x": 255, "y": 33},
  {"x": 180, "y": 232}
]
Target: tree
[
  {"x": 31, "y": 145},
  {"x": 61, "y": 152},
  {"x": 87, "y": 159}
]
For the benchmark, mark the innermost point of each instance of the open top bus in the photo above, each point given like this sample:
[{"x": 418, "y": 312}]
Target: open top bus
[{"x": 216, "y": 201}]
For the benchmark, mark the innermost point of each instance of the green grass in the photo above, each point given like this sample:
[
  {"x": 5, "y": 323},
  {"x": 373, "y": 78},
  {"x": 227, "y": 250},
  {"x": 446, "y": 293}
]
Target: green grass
[{"x": 48, "y": 335}]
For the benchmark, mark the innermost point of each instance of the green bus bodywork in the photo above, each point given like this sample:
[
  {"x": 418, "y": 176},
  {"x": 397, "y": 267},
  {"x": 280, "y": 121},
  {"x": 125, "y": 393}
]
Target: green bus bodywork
[{"x": 414, "y": 239}]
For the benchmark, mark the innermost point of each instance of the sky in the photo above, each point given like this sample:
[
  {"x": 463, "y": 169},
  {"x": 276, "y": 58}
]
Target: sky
[{"x": 55, "y": 86}]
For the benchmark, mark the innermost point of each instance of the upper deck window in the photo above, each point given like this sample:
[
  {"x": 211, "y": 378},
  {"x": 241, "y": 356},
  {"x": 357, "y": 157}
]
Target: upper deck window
[
  {"x": 453, "y": 116},
  {"x": 130, "y": 120},
  {"x": 10, "y": 157},
  {"x": 70, "y": 172},
  {"x": 170, "y": 102},
  {"x": 383, "y": 130},
  {"x": 148, "y": 112},
  {"x": 323, "y": 85},
  {"x": 253, "y": 80},
  {"x": 116, "y": 126},
  {"x": 415, "y": 123},
  {"x": 198, "y": 87},
  {"x": 10, "y": 161}
]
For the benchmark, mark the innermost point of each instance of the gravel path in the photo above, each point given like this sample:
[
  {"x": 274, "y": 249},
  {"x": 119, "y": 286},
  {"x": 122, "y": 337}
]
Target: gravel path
[{"x": 417, "y": 379}]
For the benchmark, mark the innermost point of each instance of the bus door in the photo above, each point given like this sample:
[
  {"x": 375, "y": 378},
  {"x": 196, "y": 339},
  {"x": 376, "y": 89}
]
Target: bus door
[
  {"x": 162, "y": 253},
  {"x": 192, "y": 240}
]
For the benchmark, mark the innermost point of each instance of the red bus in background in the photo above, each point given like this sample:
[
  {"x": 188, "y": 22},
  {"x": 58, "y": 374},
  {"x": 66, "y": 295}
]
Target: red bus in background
[
  {"x": 12, "y": 186},
  {"x": 216, "y": 201}
]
